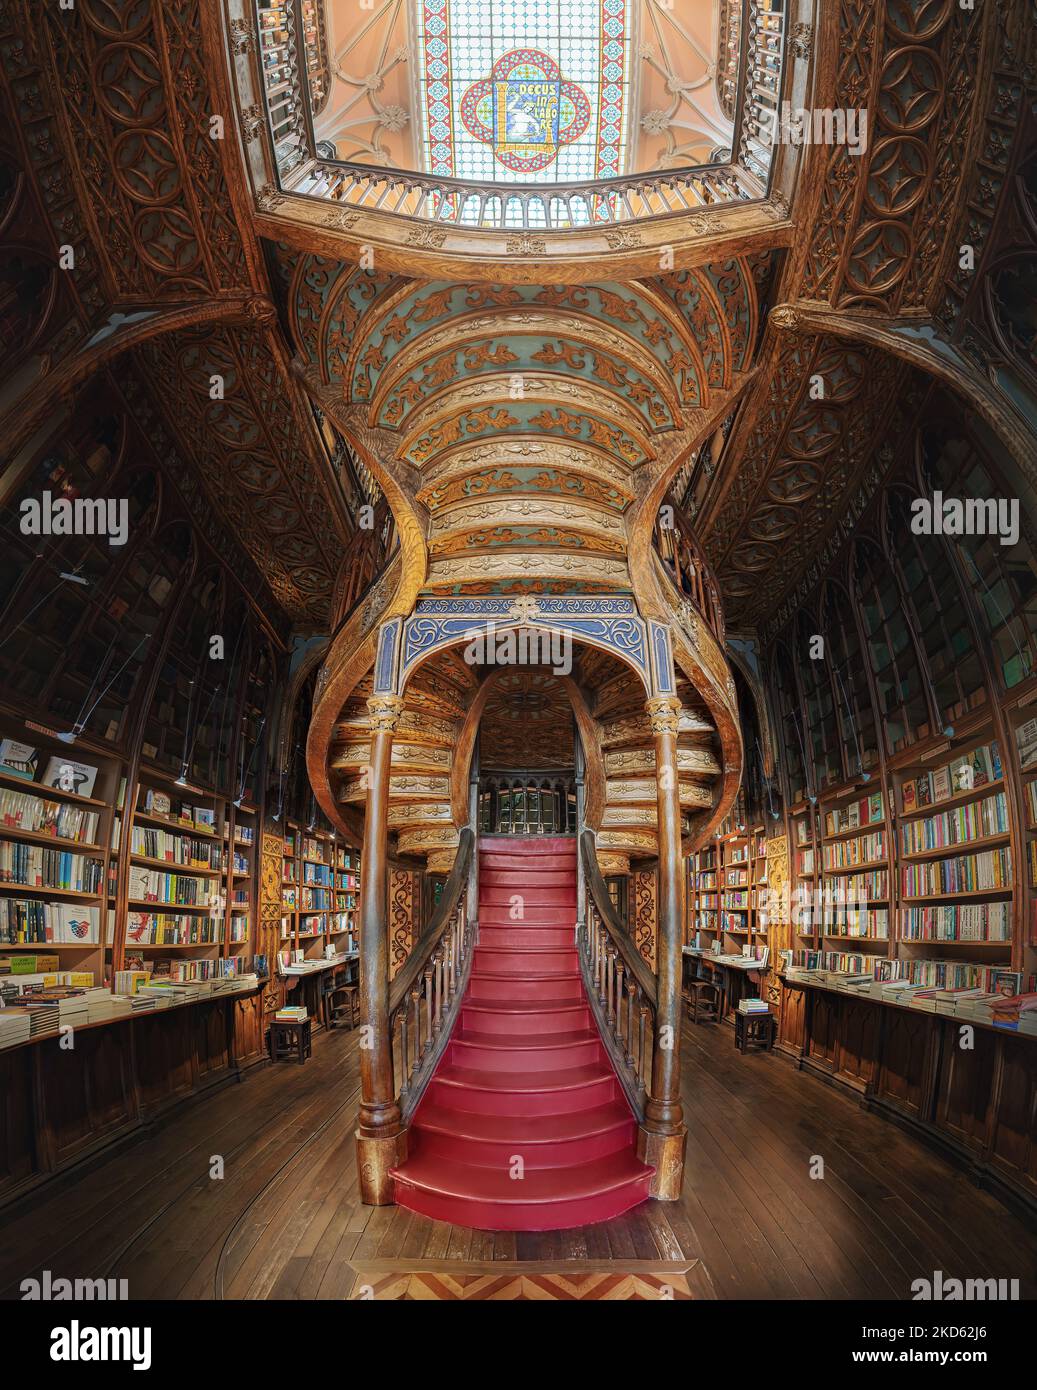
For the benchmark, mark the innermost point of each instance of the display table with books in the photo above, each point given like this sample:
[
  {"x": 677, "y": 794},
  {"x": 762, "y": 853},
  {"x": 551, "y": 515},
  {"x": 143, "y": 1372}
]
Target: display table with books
[{"x": 953, "y": 1065}]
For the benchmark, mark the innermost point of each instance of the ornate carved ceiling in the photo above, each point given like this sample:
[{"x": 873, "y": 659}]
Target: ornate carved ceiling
[
  {"x": 527, "y": 722},
  {"x": 940, "y": 83},
  {"x": 523, "y": 422},
  {"x": 535, "y": 481},
  {"x": 112, "y": 102}
]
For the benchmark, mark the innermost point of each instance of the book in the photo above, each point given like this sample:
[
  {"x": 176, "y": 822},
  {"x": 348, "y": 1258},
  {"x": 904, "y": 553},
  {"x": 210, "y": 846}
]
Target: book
[
  {"x": 70, "y": 776},
  {"x": 1026, "y": 743},
  {"x": 18, "y": 759}
]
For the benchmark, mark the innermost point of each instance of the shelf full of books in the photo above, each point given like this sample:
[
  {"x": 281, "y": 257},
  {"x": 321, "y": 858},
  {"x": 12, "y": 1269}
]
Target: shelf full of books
[
  {"x": 55, "y": 824},
  {"x": 956, "y": 878},
  {"x": 727, "y": 891},
  {"x": 320, "y": 894}
]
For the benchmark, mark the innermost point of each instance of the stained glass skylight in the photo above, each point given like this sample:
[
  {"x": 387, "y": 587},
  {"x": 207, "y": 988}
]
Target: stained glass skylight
[{"x": 524, "y": 91}]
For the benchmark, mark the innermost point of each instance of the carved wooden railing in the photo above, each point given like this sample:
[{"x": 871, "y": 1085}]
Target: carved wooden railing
[
  {"x": 527, "y": 803},
  {"x": 621, "y": 988},
  {"x": 425, "y": 997},
  {"x": 533, "y": 207},
  {"x": 687, "y": 568},
  {"x": 287, "y": 105},
  {"x": 763, "y": 41},
  {"x": 729, "y": 51}
]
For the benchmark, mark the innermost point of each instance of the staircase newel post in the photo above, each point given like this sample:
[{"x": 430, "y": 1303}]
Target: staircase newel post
[
  {"x": 663, "y": 1136},
  {"x": 381, "y": 1138}
]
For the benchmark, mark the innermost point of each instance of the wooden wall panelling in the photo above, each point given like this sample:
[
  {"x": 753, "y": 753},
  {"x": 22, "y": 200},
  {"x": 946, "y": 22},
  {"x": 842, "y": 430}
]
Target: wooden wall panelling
[
  {"x": 645, "y": 915},
  {"x": 60, "y": 1105},
  {"x": 16, "y": 1117},
  {"x": 1013, "y": 1142},
  {"x": 792, "y": 1032},
  {"x": 822, "y": 1013},
  {"x": 966, "y": 1083},
  {"x": 402, "y": 925},
  {"x": 903, "y": 1061},
  {"x": 856, "y": 1042},
  {"x": 81, "y": 1094}
]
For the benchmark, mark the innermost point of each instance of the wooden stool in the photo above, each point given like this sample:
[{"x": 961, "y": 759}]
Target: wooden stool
[
  {"x": 287, "y": 1039},
  {"x": 705, "y": 996},
  {"x": 345, "y": 1005},
  {"x": 754, "y": 1029}
]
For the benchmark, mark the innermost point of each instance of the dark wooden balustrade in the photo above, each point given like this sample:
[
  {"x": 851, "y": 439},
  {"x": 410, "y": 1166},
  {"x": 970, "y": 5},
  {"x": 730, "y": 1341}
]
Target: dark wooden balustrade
[
  {"x": 425, "y": 997},
  {"x": 621, "y": 988}
]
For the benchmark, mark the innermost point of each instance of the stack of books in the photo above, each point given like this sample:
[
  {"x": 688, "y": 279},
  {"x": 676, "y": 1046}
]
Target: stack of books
[
  {"x": 752, "y": 1006},
  {"x": 14, "y": 1027},
  {"x": 292, "y": 1013}
]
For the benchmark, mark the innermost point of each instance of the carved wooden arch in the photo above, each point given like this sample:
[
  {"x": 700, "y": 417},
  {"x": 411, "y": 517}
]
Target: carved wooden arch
[
  {"x": 760, "y": 705},
  {"x": 349, "y": 658},
  {"x": 946, "y": 366},
  {"x": 589, "y": 735},
  {"x": 540, "y": 624}
]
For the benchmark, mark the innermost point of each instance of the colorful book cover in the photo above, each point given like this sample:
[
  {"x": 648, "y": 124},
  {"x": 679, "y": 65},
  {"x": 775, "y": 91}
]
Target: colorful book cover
[
  {"x": 961, "y": 775},
  {"x": 70, "y": 776},
  {"x": 18, "y": 759},
  {"x": 942, "y": 783},
  {"x": 996, "y": 767}
]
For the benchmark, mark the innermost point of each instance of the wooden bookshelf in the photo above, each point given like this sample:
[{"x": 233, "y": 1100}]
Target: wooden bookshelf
[
  {"x": 181, "y": 831},
  {"x": 854, "y": 902},
  {"x": 320, "y": 884},
  {"x": 46, "y": 919},
  {"x": 956, "y": 881}
]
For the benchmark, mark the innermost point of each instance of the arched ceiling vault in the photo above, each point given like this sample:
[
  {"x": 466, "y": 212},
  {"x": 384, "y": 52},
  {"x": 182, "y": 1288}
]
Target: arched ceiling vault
[
  {"x": 518, "y": 426},
  {"x": 108, "y": 110}
]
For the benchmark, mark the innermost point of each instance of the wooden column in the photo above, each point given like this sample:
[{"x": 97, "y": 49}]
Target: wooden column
[
  {"x": 381, "y": 1140},
  {"x": 663, "y": 1135}
]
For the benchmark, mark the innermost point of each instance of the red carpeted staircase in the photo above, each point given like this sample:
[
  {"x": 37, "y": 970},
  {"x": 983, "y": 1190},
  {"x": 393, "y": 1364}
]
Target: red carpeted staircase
[{"x": 525, "y": 1075}]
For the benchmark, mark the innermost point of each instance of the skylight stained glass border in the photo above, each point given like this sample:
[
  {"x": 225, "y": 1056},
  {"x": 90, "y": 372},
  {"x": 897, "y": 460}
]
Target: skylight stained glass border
[{"x": 588, "y": 45}]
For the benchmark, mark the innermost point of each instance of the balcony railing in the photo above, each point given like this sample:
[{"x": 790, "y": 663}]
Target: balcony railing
[
  {"x": 527, "y": 803},
  {"x": 689, "y": 571},
  {"x": 291, "y": 46},
  {"x": 763, "y": 53},
  {"x": 562, "y": 207}
]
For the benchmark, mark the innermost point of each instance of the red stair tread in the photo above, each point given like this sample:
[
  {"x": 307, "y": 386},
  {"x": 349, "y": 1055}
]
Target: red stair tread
[
  {"x": 574, "y": 1121},
  {"x": 525, "y": 1006},
  {"x": 537, "y": 1082},
  {"x": 524, "y": 1129},
  {"x": 505, "y": 1042},
  {"x": 469, "y": 1181}
]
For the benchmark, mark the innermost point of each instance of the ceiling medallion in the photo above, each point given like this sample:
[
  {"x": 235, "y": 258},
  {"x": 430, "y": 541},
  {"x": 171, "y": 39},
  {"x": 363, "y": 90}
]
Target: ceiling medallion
[{"x": 525, "y": 110}]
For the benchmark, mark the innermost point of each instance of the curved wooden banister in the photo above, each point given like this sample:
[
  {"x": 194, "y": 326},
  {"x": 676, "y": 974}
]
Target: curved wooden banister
[
  {"x": 429, "y": 939},
  {"x": 425, "y": 998},
  {"x": 618, "y": 933},
  {"x": 621, "y": 989}
]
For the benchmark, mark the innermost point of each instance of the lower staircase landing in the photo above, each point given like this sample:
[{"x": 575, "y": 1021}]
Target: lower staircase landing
[{"x": 524, "y": 1126}]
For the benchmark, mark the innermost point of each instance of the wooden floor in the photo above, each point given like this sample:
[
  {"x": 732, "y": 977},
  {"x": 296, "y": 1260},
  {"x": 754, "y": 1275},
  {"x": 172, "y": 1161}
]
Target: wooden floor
[{"x": 284, "y": 1221}]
